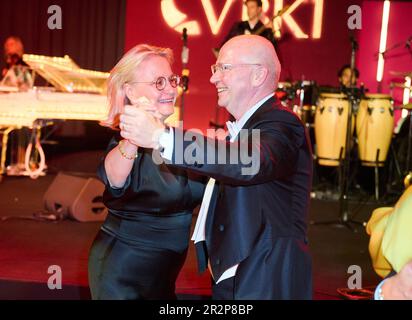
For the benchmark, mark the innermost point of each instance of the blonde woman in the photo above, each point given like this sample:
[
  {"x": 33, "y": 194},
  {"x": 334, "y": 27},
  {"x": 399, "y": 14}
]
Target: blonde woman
[{"x": 142, "y": 245}]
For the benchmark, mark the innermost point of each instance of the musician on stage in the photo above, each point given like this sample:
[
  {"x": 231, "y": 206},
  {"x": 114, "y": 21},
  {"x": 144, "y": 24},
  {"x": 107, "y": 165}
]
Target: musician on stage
[
  {"x": 16, "y": 73},
  {"x": 345, "y": 75},
  {"x": 251, "y": 26},
  {"x": 13, "y": 53}
]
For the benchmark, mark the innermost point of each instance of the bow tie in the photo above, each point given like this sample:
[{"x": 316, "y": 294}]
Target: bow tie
[{"x": 233, "y": 128}]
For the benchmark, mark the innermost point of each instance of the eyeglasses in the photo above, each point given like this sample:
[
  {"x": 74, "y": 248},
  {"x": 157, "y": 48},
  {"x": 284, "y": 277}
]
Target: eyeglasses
[
  {"x": 222, "y": 67},
  {"x": 161, "y": 82}
]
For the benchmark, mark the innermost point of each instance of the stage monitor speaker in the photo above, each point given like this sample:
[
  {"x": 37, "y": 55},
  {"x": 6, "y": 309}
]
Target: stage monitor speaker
[{"x": 76, "y": 197}]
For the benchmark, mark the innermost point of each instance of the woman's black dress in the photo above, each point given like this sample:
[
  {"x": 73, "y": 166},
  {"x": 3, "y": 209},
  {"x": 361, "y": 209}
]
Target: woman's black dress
[{"x": 143, "y": 243}]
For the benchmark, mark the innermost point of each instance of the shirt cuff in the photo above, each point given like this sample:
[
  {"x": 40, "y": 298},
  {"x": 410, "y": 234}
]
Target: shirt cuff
[
  {"x": 166, "y": 142},
  {"x": 378, "y": 291}
]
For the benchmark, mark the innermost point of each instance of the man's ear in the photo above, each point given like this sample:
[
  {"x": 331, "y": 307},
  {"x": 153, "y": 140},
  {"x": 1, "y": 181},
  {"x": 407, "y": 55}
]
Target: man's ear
[{"x": 259, "y": 76}]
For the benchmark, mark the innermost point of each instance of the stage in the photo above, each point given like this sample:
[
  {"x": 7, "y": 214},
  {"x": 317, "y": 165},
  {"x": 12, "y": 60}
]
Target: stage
[
  {"x": 28, "y": 247},
  {"x": 334, "y": 61}
]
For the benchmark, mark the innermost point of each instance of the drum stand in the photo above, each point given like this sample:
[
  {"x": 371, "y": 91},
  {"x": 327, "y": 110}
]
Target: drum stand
[{"x": 344, "y": 219}]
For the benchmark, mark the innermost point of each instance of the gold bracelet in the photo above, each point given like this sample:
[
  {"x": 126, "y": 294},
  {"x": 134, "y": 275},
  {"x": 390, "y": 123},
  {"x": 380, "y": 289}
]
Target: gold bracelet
[{"x": 124, "y": 154}]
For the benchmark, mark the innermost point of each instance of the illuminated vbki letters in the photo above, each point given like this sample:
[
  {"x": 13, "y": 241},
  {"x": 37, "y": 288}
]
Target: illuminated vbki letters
[
  {"x": 178, "y": 20},
  {"x": 291, "y": 23}
]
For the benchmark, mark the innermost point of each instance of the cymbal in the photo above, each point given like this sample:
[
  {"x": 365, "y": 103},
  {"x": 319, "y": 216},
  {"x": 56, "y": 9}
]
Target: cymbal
[
  {"x": 403, "y": 106},
  {"x": 401, "y": 73},
  {"x": 284, "y": 85},
  {"x": 399, "y": 85}
]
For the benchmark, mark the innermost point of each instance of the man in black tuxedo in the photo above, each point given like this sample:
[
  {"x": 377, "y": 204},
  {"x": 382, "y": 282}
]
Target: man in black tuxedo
[
  {"x": 253, "y": 219},
  {"x": 251, "y": 26}
]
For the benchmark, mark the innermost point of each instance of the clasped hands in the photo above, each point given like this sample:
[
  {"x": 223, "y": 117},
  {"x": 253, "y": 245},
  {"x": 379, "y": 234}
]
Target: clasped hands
[{"x": 141, "y": 125}]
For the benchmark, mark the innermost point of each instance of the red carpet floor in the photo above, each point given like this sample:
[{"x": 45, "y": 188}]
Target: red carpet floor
[{"x": 28, "y": 248}]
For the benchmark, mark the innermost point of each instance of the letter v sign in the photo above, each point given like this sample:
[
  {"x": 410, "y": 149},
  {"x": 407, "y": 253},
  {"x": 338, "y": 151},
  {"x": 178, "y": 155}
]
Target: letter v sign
[{"x": 215, "y": 23}]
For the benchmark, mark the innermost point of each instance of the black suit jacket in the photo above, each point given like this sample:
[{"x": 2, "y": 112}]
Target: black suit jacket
[{"x": 272, "y": 203}]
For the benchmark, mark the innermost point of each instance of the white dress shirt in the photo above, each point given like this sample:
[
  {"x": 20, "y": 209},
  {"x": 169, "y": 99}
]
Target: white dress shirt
[{"x": 199, "y": 233}]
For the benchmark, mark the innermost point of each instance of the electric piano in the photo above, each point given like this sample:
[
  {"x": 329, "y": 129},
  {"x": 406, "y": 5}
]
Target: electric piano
[{"x": 76, "y": 94}]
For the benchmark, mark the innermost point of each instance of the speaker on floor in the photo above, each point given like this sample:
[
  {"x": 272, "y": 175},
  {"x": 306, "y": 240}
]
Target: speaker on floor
[{"x": 76, "y": 197}]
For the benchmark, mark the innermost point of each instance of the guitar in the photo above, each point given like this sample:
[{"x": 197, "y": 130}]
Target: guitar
[
  {"x": 259, "y": 31},
  {"x": 279, "y": 14}
]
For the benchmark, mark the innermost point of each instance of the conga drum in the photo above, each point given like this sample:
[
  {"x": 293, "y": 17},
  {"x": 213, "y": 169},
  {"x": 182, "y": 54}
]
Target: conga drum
[
  {"x": 374, "y": 127},
  {"x": 331, "y": 119}
]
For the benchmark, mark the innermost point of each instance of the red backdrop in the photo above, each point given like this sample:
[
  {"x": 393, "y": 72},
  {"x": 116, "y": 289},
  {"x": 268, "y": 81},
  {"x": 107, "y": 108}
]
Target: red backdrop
[
  {"x": 398, "y": 59},
  {"x": 399, "y": 30},
  {"x": 313, "y": 59}
]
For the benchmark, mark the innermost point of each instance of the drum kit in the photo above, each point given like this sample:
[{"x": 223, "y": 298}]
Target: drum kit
[{"x": 324, "y": 111}]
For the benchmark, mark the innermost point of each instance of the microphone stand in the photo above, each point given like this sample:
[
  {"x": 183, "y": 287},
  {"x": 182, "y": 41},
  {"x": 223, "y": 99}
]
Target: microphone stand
[
  {"x": 185, "y": 73},
  {"x": 344, "y": 219},
  {"x": 353, "y": 103}
]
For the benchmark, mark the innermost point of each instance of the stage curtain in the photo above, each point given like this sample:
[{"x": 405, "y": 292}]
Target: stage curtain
[{"x": 92, "y": 31}]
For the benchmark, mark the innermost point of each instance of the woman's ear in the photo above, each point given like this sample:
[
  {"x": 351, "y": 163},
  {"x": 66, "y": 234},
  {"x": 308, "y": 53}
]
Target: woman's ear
[{"x": 129, "y": 93}]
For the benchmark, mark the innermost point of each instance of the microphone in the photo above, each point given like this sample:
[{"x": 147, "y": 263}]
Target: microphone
[
  {"x": 185, "y": 49},
  {"x": 353, "y": 42},
  {"x": 185, "y": 60}
]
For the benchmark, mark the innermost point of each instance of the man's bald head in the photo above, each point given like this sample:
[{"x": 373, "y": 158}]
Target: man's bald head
[
  {"x": 246, "y": 71},
  {"x": 256, "y": 49}
]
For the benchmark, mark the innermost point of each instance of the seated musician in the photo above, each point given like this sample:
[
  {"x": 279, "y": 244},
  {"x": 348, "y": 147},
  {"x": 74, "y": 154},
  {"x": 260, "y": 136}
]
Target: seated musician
[
  {"x": 345, "y": 75},
  {"x": 16, "y": 72}
]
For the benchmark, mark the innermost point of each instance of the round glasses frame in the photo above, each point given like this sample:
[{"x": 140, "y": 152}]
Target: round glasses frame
[{"x": 161, "y": 82}]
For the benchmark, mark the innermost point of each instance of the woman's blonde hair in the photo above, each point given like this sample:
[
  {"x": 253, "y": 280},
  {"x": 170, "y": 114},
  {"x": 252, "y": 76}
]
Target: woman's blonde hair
[{"x": 124, "y": 72}]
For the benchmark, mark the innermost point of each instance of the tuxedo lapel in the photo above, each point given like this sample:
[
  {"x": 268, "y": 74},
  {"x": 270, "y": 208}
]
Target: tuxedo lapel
[{"x": 269, "y": 104}]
